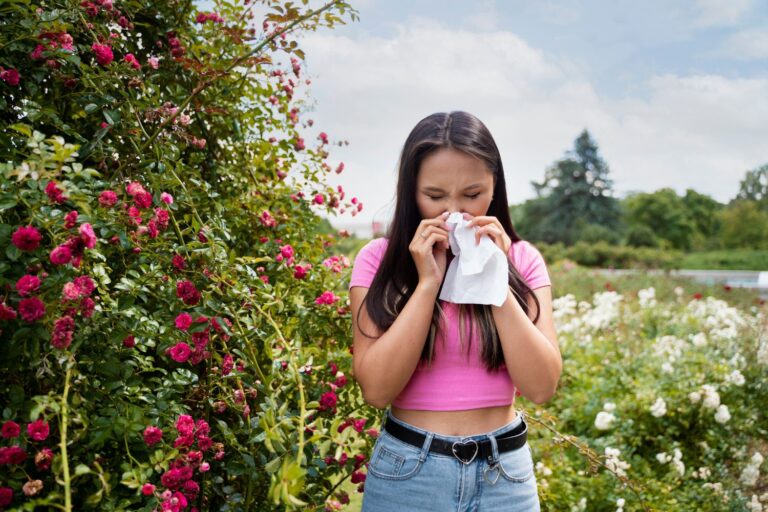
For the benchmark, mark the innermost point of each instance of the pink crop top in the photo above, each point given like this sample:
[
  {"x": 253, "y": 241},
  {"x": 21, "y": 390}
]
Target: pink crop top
[{"x": 454, "y": 382}]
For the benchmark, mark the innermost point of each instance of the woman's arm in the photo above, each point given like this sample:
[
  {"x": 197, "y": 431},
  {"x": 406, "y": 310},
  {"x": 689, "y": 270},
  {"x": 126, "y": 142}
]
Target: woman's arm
[
  {"x": 531, "y": 352},
  {"x": 384, "y": 365}
]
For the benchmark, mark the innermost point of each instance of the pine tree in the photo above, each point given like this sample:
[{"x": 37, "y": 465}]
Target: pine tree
[{"x": 576, "y": 193}]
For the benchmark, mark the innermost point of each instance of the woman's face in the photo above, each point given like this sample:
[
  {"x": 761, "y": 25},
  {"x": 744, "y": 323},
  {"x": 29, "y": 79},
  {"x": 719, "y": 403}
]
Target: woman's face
[{"x": 453, "y": 181}]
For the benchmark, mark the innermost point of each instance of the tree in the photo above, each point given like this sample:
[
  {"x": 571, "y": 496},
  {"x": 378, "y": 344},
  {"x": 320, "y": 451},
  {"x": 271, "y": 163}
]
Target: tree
[
  {"x": 703, "y": 213},
  {"x": 744, "y": 224},
  {"x": 575, "y": 193},
  {"x": 754, "y": 186},
  {"x": 665, "y": 213}
]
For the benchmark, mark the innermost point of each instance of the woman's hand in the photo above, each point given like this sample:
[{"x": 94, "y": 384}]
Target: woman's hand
[
  {"x": 490, "y": 226},
  {"x": 429, "y": 250}
]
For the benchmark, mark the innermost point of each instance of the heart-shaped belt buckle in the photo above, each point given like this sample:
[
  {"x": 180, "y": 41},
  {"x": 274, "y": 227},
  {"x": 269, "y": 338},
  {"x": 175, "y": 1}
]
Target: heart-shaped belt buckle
[{"x": 459, "y": 445}]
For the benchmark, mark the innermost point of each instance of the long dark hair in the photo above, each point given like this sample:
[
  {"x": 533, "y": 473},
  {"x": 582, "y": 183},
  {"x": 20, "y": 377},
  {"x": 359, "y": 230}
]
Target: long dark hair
[{"x": 397, "y": 277}]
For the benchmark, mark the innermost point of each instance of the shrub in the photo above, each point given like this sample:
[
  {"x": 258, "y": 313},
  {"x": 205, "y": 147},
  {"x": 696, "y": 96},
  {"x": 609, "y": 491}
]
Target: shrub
[{"x": 163, "y": 339}]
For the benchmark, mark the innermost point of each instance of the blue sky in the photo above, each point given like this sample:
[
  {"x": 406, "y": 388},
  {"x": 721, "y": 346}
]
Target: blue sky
[{"x": 674, "y": 92}]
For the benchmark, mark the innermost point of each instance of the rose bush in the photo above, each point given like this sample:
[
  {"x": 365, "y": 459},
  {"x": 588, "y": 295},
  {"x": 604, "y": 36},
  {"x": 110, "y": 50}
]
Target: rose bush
[{"x": 173, "y": 322}]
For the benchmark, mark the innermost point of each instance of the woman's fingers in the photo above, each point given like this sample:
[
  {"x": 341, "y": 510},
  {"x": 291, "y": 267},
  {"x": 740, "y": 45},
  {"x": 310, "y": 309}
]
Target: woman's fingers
[{"x": 489, "y": 225}]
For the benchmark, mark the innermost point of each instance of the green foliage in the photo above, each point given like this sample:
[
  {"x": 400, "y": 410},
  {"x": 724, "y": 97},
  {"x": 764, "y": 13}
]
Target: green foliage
[
  {"x": 214, "y": 215},
  {"x": 730, "y": 259},
  {"x": 665, "y": 213},
  {"x": 744, "y": 224},
  {"x": 754, "y": 186},
  {"x": 575, "y": 193},
  {"x": 605, "y": 255},
  {"x": 640, "y": 235}
]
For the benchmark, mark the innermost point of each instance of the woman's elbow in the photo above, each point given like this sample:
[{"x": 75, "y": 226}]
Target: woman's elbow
[{"x": 374, "y": 400}]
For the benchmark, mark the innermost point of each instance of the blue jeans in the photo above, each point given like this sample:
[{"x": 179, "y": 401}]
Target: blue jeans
[{"x": 404, "y": 478}]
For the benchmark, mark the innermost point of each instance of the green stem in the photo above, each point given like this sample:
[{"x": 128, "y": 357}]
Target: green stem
[
  {"x": 64, "y": 419},
  {"x": 584, "y": 449}
]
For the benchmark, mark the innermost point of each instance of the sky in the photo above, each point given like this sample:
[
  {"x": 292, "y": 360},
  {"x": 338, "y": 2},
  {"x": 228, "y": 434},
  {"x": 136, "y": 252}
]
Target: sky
[{"x": 674, "y": 93}]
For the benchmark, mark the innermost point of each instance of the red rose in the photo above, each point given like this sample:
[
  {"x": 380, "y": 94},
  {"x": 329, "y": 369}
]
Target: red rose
[
  {"x": 26, "y": 238},
  {"x": 186, "y": 291},
  {"x": 6, "y": 496},
  {"x": 31, "y": 309},
  {"x": 10, "y": 429},
  {"x": 10, "y": 76},
  {"x": 54, "y": 193},
  {"x": 328, "y": 401}
]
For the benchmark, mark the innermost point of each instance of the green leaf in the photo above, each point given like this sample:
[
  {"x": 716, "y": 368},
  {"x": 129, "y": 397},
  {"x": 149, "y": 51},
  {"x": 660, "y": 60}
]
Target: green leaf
[
  {"x": 91, "y": 108},
  {"x": 82, "y": 469},
  {"x": 8, "y": 202}
]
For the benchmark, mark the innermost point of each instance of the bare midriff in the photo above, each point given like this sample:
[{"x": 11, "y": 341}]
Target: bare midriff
[{"x": 458, "y": 423}]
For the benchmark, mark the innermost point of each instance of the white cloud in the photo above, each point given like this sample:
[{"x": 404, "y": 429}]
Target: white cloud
[
  {"x": 749, "y": 44},
  {"x": 700, "y": 132},
  {"x": 720, "y": 12}
]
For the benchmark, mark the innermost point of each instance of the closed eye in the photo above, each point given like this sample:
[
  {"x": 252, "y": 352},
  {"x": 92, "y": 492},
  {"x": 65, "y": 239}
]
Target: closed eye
[{"x": 437, "y": 198}]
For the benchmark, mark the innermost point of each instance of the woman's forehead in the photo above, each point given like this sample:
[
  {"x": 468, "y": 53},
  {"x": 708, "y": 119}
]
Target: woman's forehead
[{"x": 447, "y": 168}]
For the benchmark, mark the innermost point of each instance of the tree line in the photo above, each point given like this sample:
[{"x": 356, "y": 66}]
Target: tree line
[{"x": 575, "y": 202}]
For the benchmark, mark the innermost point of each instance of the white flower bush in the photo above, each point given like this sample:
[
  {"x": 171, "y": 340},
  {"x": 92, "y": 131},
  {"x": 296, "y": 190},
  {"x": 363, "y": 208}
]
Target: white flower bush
[
  {"x": 688, "y": 376},
  {"x": 659, "y": 408}
]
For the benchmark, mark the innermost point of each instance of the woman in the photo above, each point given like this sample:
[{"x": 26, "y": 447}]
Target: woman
[{"x": 452, "y": 439}]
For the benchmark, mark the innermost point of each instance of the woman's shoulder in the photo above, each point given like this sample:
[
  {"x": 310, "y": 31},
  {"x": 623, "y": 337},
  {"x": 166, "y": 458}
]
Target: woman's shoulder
[
  {"x": 373, "y": 249},
  {"x": 523, "y": 249},
  {"x": 375, "y": 246}
]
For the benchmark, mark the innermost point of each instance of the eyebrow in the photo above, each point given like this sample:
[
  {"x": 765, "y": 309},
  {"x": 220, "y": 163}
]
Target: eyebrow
[{"x": 438, "y": 189}]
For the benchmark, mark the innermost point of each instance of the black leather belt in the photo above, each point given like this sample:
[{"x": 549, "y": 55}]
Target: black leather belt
[{"x": 465, "y": 451}]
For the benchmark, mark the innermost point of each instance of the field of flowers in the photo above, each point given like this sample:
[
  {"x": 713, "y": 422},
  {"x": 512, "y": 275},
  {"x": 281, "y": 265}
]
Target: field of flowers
[{"x": 662, "y": 401}]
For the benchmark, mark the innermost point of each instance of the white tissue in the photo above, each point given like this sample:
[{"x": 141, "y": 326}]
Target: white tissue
[{"x": 478, "y": 273}]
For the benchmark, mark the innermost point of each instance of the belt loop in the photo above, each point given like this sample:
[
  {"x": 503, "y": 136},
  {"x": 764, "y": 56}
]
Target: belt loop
[
  {"x": 425, "y": 447},
  {"x": 494, "y": 451}
]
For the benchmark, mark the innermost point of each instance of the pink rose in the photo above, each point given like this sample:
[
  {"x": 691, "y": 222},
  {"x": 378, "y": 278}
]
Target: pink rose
[
  {"x": 318, "y": 199},
  {"x": 43, "y": 459},
  {"x": 147, "y": 489},
  {"x": 180, "y": 352},
  {"x": 27, "y": 285},
  {"x": 326, "y": 297},
  {"x": 166, "y": 198},
  {"x": 185, "y": 425},
  {"x": 38, "y": 430},
  {"x": 103, "y": 54},
  {"x": 87, "y": 235},
  {"x": 131, "y": 60},
  {"x": 107, "y": 198},
  {"x": 183, "y": 321},
  {"x": 61, "y": 255},
  {"x": 152, "y": 435},
  {"x": 63, "y": 330}
]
